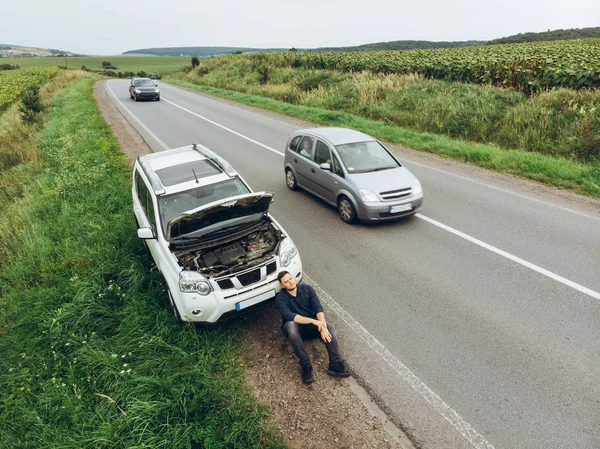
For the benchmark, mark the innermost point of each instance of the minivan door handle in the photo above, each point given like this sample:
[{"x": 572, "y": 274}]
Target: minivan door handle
[
  {"x": 295, "y": 160},
  {"x": 312, "y": 170}
]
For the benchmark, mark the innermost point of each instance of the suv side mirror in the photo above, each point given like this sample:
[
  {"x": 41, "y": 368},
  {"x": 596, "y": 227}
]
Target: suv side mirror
[
  {"x": 325, "y": 166},
  {"x": 145, "y": 233}
]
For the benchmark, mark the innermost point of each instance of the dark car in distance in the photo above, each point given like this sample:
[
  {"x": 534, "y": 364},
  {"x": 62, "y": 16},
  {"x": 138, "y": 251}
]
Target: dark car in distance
[{"x": 144, "y": 89}]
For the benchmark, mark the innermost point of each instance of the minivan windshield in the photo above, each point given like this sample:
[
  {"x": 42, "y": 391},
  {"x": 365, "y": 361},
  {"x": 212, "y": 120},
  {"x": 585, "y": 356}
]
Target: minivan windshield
[
  {"x": 170, "y": 206},
  {"x": 363, "y": 157}
]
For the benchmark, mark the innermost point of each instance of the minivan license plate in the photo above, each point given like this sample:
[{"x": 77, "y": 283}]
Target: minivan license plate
[{"x": 400, "y": 208}]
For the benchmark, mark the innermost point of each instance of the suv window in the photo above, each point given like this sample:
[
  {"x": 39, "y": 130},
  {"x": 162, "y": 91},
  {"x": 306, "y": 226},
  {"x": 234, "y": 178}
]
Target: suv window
[
  {"x": 306, "y": 146},
  {"x": 322, "y": 153},
  {"x": 145, "y": 199},
  {"x": 177, "y": 174},
  {"x": 170, "y": 206},
  {"x": 294, "y": 143}
]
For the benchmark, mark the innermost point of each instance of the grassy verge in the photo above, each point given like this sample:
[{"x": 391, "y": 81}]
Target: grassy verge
[
  {"x": 91, "y": 356},
  {"x": 577, "y": 177},
  {"x": 162, "y": 65}
]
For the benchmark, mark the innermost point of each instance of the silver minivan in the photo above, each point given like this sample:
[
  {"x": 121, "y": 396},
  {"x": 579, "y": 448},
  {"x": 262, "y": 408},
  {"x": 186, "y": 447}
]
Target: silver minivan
[{"x": 352, "y": 171}]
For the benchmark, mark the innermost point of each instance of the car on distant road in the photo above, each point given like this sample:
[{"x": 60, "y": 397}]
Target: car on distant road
[
  {"x": 211, "y": 237},
  {"x": 144, "y": 89},
  {"x": 352, "y": 171}
]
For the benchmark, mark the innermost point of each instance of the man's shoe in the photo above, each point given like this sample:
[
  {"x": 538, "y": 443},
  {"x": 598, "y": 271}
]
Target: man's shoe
[
  {"x": 307, "y": 373},
  {"x": 338, "y": 370}
]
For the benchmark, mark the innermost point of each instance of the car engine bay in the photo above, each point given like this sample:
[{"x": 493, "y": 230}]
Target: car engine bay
[{"x": 227, "y": 255}]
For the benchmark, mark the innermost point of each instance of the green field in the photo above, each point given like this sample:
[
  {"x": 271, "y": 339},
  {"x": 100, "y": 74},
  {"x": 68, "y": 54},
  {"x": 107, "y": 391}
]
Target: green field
[{"x": 163, "y": 65}]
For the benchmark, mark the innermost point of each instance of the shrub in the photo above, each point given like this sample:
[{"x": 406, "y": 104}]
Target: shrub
[
  {"x": 31, "y": 105},
  {"x": 195, "y": 61}
]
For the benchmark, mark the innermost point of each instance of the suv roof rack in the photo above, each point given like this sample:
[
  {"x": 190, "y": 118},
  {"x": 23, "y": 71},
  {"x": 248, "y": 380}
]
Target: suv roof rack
[{"x": 213, "y": 157}]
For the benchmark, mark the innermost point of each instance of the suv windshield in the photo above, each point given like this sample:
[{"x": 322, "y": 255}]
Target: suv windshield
[
  {"x": 170, "y": 206},
  {"x": 144, "y": 83},
  {"x": 362, "y": 157}
]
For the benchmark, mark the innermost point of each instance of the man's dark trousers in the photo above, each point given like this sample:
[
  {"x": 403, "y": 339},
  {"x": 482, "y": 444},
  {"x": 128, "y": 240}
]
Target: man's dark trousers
[{"x": 295, "y": 333}]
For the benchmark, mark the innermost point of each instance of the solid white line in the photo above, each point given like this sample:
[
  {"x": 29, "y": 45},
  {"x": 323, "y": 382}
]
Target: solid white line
[
  {"x": 154, "y": 136},
  {"x": 516, "y": 259},
  {"x": 500, "y": 189},
  {"x": 227, "y": 129},
  {"x": 405, "y": 374},
  {"x": 245, "y": 111}
]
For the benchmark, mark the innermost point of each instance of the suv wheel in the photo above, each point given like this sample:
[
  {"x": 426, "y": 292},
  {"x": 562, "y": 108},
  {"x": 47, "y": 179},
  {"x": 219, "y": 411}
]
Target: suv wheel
[
  {"x": 290, "y": 179},
  {"x": 174, "y": 307},
  {"x": 346, "y": 210}
]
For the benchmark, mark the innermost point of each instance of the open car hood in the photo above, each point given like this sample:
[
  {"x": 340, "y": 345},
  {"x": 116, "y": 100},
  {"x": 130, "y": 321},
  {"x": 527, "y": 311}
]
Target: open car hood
[{"x": 218, "y": 212}]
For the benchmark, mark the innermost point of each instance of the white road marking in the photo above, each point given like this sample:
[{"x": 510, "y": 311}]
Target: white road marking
[
  {"x": 500, "y": 189},
  {"x": 405, "y": 374},
  {"x": 266, "y": 147},
  {"x": 154, "y": 136},
  {"x": 245, "y": 110},
  {"x": 516, "y": 259}
]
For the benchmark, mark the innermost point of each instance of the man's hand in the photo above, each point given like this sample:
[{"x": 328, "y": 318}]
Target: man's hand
[{"x": 325, "y": 335}]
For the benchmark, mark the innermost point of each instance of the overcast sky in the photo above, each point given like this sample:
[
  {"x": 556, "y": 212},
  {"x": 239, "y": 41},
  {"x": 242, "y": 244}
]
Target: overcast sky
[{"x": 110, "y": 27}]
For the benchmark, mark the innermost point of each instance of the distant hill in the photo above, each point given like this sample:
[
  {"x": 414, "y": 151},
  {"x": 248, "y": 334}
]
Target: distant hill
[
  {"x": 403, "y": 45},
  {"x": 556, "y": 35},
  {"x": 197, "y": 51},
  {"x": 18, "y": 51}
]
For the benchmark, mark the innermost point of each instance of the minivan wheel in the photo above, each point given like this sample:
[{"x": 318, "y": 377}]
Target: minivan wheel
[
  {"x": 174, "y": 307},
  {"x": 290, "y": 179},
  {"x": 346, "y": 210}
]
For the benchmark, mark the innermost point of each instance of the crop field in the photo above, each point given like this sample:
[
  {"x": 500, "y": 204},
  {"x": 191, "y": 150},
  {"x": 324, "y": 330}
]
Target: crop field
[
  {"x": 15, "y": 82},
  {"x": 163, "y": 65},
  {"x": 529, "y": 67}
]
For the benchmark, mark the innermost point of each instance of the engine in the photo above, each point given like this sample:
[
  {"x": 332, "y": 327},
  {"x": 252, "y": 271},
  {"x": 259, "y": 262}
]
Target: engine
[{"x": 230, "y": 255}]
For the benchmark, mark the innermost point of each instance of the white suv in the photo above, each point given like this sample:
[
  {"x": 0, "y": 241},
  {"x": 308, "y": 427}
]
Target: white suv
[{"x": 211, "y": 237}]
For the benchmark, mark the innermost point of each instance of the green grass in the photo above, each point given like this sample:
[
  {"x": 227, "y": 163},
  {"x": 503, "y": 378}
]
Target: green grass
[
  {"x": 163, "y": 65},
  {"x": 91, "y": 355},
  {"x": 577, "y": 177}
]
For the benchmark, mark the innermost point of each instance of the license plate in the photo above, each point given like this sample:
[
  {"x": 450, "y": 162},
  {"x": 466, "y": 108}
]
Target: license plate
[
  {"x": 255, "y": 300},
  {"x": 400, "y": 208}
]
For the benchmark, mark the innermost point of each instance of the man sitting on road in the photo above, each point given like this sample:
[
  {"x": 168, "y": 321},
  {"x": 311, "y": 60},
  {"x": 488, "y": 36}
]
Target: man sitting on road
[{"x": 302, "y": 317}]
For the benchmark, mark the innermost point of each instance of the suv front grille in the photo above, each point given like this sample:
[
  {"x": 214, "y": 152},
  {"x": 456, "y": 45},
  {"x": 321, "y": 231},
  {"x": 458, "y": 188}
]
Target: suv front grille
[
  {"x": 225, "y": 283},
  {"x": 249, "y": 277},
  {"x": 395, "y": 194}
]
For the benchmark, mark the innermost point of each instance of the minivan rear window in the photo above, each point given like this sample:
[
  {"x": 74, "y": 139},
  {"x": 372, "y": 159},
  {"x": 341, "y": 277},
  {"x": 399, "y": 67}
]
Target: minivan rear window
[{"x": 189, "y": 171}]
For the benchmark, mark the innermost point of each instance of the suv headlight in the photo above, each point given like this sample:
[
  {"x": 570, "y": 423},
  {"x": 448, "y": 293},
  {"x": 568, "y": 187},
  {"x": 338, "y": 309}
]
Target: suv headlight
[
  {"x": 287, "y": 251},
  {"x": 192, "y": 282},
  {"x": 368, "y": 196},
  {"x": 417, "y": 188}
]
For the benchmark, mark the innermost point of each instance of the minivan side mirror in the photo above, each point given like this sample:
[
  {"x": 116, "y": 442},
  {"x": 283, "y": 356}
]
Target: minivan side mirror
[
  {"x": 325, "y": 166},
  {"x": 145, "y": 233}
]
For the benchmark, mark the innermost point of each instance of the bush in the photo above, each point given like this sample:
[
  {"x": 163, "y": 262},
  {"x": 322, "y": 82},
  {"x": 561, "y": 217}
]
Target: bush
[
  {"x": 195, "y": 61},
  {"x": 31, "y": 105},
  {"x": 9, "y": 67}
]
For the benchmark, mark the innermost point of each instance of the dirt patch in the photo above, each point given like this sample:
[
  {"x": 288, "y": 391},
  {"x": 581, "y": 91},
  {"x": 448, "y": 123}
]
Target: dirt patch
[{"x": 326, "y": 414}]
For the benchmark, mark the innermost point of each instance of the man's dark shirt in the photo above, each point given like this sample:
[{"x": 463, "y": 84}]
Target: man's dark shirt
[{"x": 305, "y": 303}]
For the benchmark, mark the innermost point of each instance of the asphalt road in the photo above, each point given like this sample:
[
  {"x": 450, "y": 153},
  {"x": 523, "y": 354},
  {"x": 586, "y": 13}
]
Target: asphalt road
[{"x": 475, "y": 323}]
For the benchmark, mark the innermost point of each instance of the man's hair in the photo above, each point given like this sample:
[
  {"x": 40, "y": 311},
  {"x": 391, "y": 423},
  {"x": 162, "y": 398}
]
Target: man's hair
[{"x": 281, "y": 274}]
